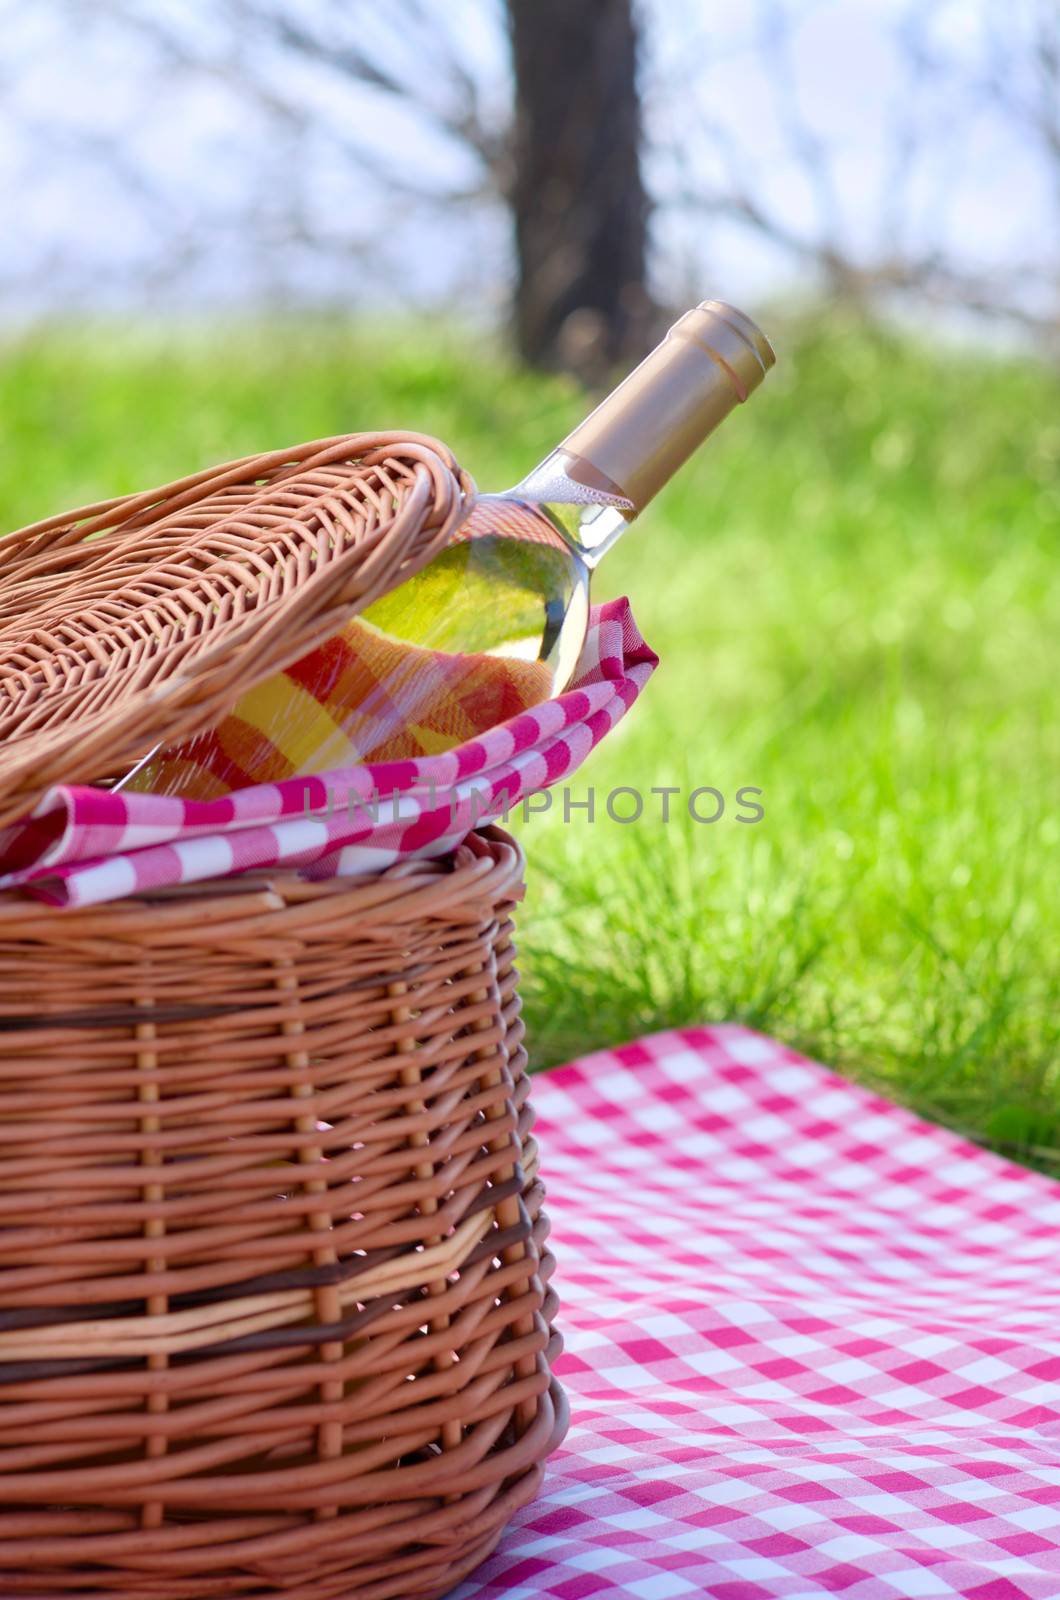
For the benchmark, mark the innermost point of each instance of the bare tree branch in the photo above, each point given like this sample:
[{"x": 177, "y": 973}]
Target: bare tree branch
[
  {"x": 1018, "y": 75},
  {"x": 333, "y": 97}
]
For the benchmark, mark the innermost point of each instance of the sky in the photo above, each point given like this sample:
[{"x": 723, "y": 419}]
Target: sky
[{"x": 197, "y": 207}]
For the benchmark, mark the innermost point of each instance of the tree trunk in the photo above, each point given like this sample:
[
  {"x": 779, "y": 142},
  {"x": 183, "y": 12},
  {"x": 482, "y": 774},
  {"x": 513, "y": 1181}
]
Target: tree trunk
[{"x": 578, "y": 200}]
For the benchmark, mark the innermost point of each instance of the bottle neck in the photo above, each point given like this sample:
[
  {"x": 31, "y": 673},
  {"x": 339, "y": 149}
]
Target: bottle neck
[
  {"x": 632, "y": 444},
  {"x": 591, "y": 513},
  {"x": 605, "y": 472}
]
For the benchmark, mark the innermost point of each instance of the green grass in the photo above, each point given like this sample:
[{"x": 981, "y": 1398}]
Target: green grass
[{"x": 856, "y": 595}]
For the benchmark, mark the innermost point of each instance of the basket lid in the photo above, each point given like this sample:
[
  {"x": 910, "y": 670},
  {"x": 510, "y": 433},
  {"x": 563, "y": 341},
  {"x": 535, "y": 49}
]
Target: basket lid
[{"x": 139, "y": 621}]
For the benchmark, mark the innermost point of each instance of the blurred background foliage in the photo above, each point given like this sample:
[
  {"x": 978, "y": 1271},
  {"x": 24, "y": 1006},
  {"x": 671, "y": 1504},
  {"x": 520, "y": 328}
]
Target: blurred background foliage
[{"x": 238, "y": 225}]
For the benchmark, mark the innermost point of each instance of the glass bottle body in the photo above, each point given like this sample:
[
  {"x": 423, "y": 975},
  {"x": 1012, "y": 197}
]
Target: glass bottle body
[{"x": 492, "y": 625}]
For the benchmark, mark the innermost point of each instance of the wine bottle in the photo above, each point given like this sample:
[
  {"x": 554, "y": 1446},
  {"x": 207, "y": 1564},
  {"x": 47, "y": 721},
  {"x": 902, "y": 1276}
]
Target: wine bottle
[{"x": 496, "y": 622}]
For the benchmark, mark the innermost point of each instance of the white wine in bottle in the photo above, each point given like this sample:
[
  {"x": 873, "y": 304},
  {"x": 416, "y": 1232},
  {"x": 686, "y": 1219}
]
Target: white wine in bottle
[{"x": 495, "y": 623}]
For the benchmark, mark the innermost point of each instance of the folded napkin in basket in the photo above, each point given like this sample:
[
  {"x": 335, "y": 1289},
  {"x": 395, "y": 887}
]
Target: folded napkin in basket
[{"x": 83, "y": 846}]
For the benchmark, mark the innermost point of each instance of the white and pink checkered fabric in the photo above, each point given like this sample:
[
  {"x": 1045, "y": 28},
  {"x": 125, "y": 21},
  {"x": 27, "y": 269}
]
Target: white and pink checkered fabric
[
  {"x": 813, "y": 1343},
  {"x": 84, "y": 846}
]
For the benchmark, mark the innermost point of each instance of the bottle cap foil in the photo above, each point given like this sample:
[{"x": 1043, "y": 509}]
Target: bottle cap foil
[{"x": 711, "y": 359}]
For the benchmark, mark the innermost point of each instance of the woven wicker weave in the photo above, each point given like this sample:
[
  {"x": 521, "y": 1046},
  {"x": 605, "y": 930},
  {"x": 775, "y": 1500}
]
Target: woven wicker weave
[
  {"x": 139, "y": 621},
  {"x": 272, "y": 1269}
]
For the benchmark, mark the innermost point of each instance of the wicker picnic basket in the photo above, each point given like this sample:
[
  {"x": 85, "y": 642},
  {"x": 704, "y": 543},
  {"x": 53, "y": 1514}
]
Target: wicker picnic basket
[{"x": 275, "y": 1315}]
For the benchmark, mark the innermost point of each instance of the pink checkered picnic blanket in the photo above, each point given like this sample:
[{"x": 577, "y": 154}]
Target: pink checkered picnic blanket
[
  {"x": 813, "y": 1343},
  {"x": 83, "y": 846}
]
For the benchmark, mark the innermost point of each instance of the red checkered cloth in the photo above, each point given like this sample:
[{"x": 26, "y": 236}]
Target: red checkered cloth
[
  {"x": 84, "y": 846},
  {"x": 813, "y": 1343}
]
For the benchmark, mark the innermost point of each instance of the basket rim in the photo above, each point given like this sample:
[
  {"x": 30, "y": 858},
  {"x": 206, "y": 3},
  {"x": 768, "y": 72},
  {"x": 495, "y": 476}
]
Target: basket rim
[{"x": 488, "y": 862}]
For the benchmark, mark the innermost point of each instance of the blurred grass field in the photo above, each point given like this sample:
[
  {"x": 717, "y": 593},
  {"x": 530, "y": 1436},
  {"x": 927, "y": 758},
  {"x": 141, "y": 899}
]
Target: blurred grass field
[{"x": 856, "y": 594}]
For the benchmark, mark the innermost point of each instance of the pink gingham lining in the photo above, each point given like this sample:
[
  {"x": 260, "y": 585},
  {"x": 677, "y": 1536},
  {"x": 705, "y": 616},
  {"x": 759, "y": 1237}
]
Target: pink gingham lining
[
  {"x": 813, "y": 1343},
  {"x": 83, "y": 846}
]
